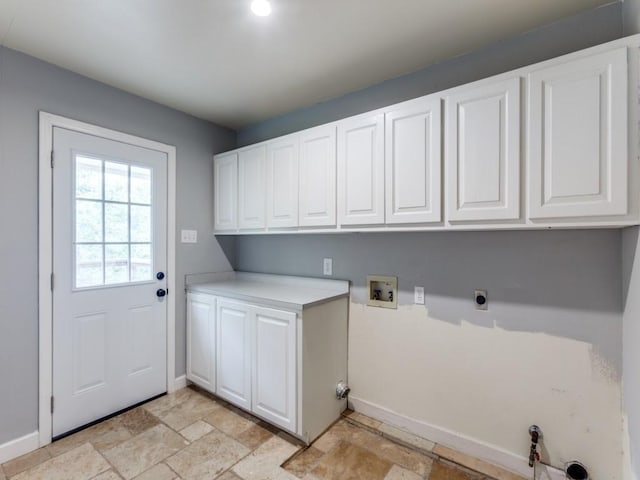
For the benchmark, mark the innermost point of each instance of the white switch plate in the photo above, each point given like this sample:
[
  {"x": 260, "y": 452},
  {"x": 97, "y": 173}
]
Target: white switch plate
[
  {"x": 327, "y": 266},
  {"x": 418, "y": 295},
  {"x": 189, "y": 236}
]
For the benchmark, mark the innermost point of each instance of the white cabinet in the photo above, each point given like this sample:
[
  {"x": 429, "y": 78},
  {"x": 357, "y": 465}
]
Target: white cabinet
[
  {"x": 361, "y": 170},
  {"x": 317, "y": 170},
  {"x": 273, "y": 345},
  {"x": 282, "y": 182},
  {"x": 252, "y": 187},
  {"x": 482, "y": 152},
  {"x": 274, "y": 369},
  {"x": 234, "y": 352},
  {"x": 201, "y": 340},
  {"x": 578, "y": 138},
  {"x": 412, "y": 162},
  {"x": 225, "y": 190}
]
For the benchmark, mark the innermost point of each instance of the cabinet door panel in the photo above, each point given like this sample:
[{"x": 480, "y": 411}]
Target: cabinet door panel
[
  {"x": 317, "y": 171},
  {"x": 412, "y": 162},
  {"x": 483, "y": 152},
  {"x": 252, "y": 187},
  {"x": 274, "y": 379},
  {"x": 282, "y": 182},
  {"x": 201, "y": 340},
  {"x": 234, "y": 352},
  {"x": 225, "y": 190},
  {"x": 361, "y": 171},
  {"x": 578, "y": 138}
]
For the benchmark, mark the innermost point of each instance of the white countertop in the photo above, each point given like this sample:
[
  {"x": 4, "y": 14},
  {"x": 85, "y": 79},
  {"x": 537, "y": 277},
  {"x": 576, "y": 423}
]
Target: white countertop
[{"x": 281, "y": 291}]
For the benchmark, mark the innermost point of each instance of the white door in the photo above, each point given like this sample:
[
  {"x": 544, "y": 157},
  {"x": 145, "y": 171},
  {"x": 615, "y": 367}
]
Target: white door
[
  {"x": 361, "y": 170},
  {"x": 282, "y": 182},
  {"x": 482, "y": 152},
  {"x": 412, "y": 162},
  {"x": 201, "y": 340},
  {"x": 252, "y": 188},
  {"x": 234, "y": 352},
  {"x": 578, "y": 138},
  {"x": 274, "y": 378},
  {"x": 317, "y": 170},
  {"x": 225, "y": 191},
  {"x": 109, "y": 244}
]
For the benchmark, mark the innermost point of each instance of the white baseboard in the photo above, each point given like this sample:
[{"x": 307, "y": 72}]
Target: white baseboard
[
  {"x": 180, "y": 382},
  {"x": 19, "y": 446},
  {"x": 457, "y": 441}
]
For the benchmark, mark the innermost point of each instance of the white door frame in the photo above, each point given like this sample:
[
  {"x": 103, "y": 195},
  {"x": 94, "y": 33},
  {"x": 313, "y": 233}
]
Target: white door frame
[{"x": 45, "y": 260}]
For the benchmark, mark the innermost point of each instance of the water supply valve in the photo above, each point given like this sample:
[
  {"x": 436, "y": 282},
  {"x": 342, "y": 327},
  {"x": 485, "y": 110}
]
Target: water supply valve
[{"x": 342, "y": 390}]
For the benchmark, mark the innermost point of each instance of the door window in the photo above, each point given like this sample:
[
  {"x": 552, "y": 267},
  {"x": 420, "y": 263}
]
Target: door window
[{"x": 112, "y": 222}]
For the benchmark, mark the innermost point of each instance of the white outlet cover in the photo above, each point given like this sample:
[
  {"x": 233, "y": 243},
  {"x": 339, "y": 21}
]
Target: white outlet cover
[
  {"x": 418, "y": 295},
  {"x": 327, "y": 266}
]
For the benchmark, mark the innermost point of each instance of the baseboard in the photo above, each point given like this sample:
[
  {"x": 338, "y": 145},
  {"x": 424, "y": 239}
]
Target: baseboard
[
  {"x": 19, "y": 446},
  {"x": 180, "y": 382},
  {"x": 457, "y": 441}
]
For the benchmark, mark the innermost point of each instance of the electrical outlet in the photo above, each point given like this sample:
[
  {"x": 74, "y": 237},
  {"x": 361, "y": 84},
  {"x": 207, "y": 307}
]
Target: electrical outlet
[
  {"x": 481, "y": 300},
  {"x": 189, "y": 236},
  {"x": 327, "y": 266},
  {"x": 418, "y": 295}
]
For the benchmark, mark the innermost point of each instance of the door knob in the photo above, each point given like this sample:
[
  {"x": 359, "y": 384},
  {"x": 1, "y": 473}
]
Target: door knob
[
  {"x": 161, "y": 292},
  {"x": 160, "y": 275}
]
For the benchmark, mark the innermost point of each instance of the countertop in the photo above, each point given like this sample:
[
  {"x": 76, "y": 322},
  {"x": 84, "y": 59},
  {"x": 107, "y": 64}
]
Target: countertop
[{"x": 280, "y": 291}]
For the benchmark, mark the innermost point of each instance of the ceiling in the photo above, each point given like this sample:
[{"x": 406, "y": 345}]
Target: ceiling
[{"x": 216, "y": 60}]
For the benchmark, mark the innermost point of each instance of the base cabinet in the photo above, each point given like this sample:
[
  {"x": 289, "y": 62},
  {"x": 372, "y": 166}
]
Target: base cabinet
[
  {"x": 281, "y": 365},
  {"x": 234, "y": 352},
  {"x": 201, "y": 340}
]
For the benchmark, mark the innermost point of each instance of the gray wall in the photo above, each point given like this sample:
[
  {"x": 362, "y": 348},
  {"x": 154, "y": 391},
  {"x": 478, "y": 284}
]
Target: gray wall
[
  {"x": 28, "y": 85},
  {"x": 562, "y": 283},
  {"x": 568, "y": 35},
  {"x": 631, "y": 339}
]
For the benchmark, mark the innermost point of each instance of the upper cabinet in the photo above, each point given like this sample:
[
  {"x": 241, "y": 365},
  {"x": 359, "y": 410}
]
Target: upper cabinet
[
  {"x": 578, "y": 124},
  {"x": 225, "y": 189},
  {"x": 483, "y": 152},
  {"x": 317, "y": 170},
  {"x": 413, "y": 157},
  {"x": 552, "y": 145},
  {"x": 282, "y": 182},
  {"x": 361, "y": 170},
  {"x": 252, "y": 187}
]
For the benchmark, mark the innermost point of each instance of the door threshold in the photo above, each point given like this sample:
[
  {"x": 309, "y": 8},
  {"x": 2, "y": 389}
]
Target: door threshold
[{"x": 102, "y": 419}]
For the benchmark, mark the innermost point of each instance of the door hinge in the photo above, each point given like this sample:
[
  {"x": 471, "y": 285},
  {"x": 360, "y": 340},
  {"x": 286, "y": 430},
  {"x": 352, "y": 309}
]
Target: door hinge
[
  {"x": 51, "y": 158},
  {"x": 52, "y": 281},
  {"x": 51, "y": 403}
]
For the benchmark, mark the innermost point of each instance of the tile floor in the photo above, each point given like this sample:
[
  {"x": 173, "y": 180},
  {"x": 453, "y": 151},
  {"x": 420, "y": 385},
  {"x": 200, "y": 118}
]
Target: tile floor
[{"x": 191, "y": 435}]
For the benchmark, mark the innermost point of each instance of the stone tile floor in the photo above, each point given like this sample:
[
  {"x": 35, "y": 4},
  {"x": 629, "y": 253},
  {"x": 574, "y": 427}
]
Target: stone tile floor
[{"x": 190, "y": 435}]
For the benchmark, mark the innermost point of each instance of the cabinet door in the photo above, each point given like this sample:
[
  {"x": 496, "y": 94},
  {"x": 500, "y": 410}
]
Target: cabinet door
[
  {"x": 234, "y": 352},
  {"x": 225, "y": 191},
  {"x": 361, "y": 170},
  {"x": 317, "y": 195},
  {"x": 274, "y": 378},
  {"x": 482, "y": 153},
  {"x": 252, "y": 187},
  {"x": 578, "y": 138},
  {"x": 201, "y": 340},
  {"x": 412, "y": 162},
  {"x": 282, "y": 182}
]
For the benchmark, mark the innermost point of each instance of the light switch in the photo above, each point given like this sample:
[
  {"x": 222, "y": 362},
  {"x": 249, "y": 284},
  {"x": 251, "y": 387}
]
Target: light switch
[{"x": 189, "y": 236}]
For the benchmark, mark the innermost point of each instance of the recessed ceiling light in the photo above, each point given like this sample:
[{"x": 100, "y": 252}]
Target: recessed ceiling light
[{"x": 262, "y": 8}]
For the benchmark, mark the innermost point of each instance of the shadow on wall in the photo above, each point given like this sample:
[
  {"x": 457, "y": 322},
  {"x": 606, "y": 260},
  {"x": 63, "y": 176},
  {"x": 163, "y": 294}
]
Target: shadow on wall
[
  {"x": 629, "y": 253},
  {"x": 563, "y": 283}
]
